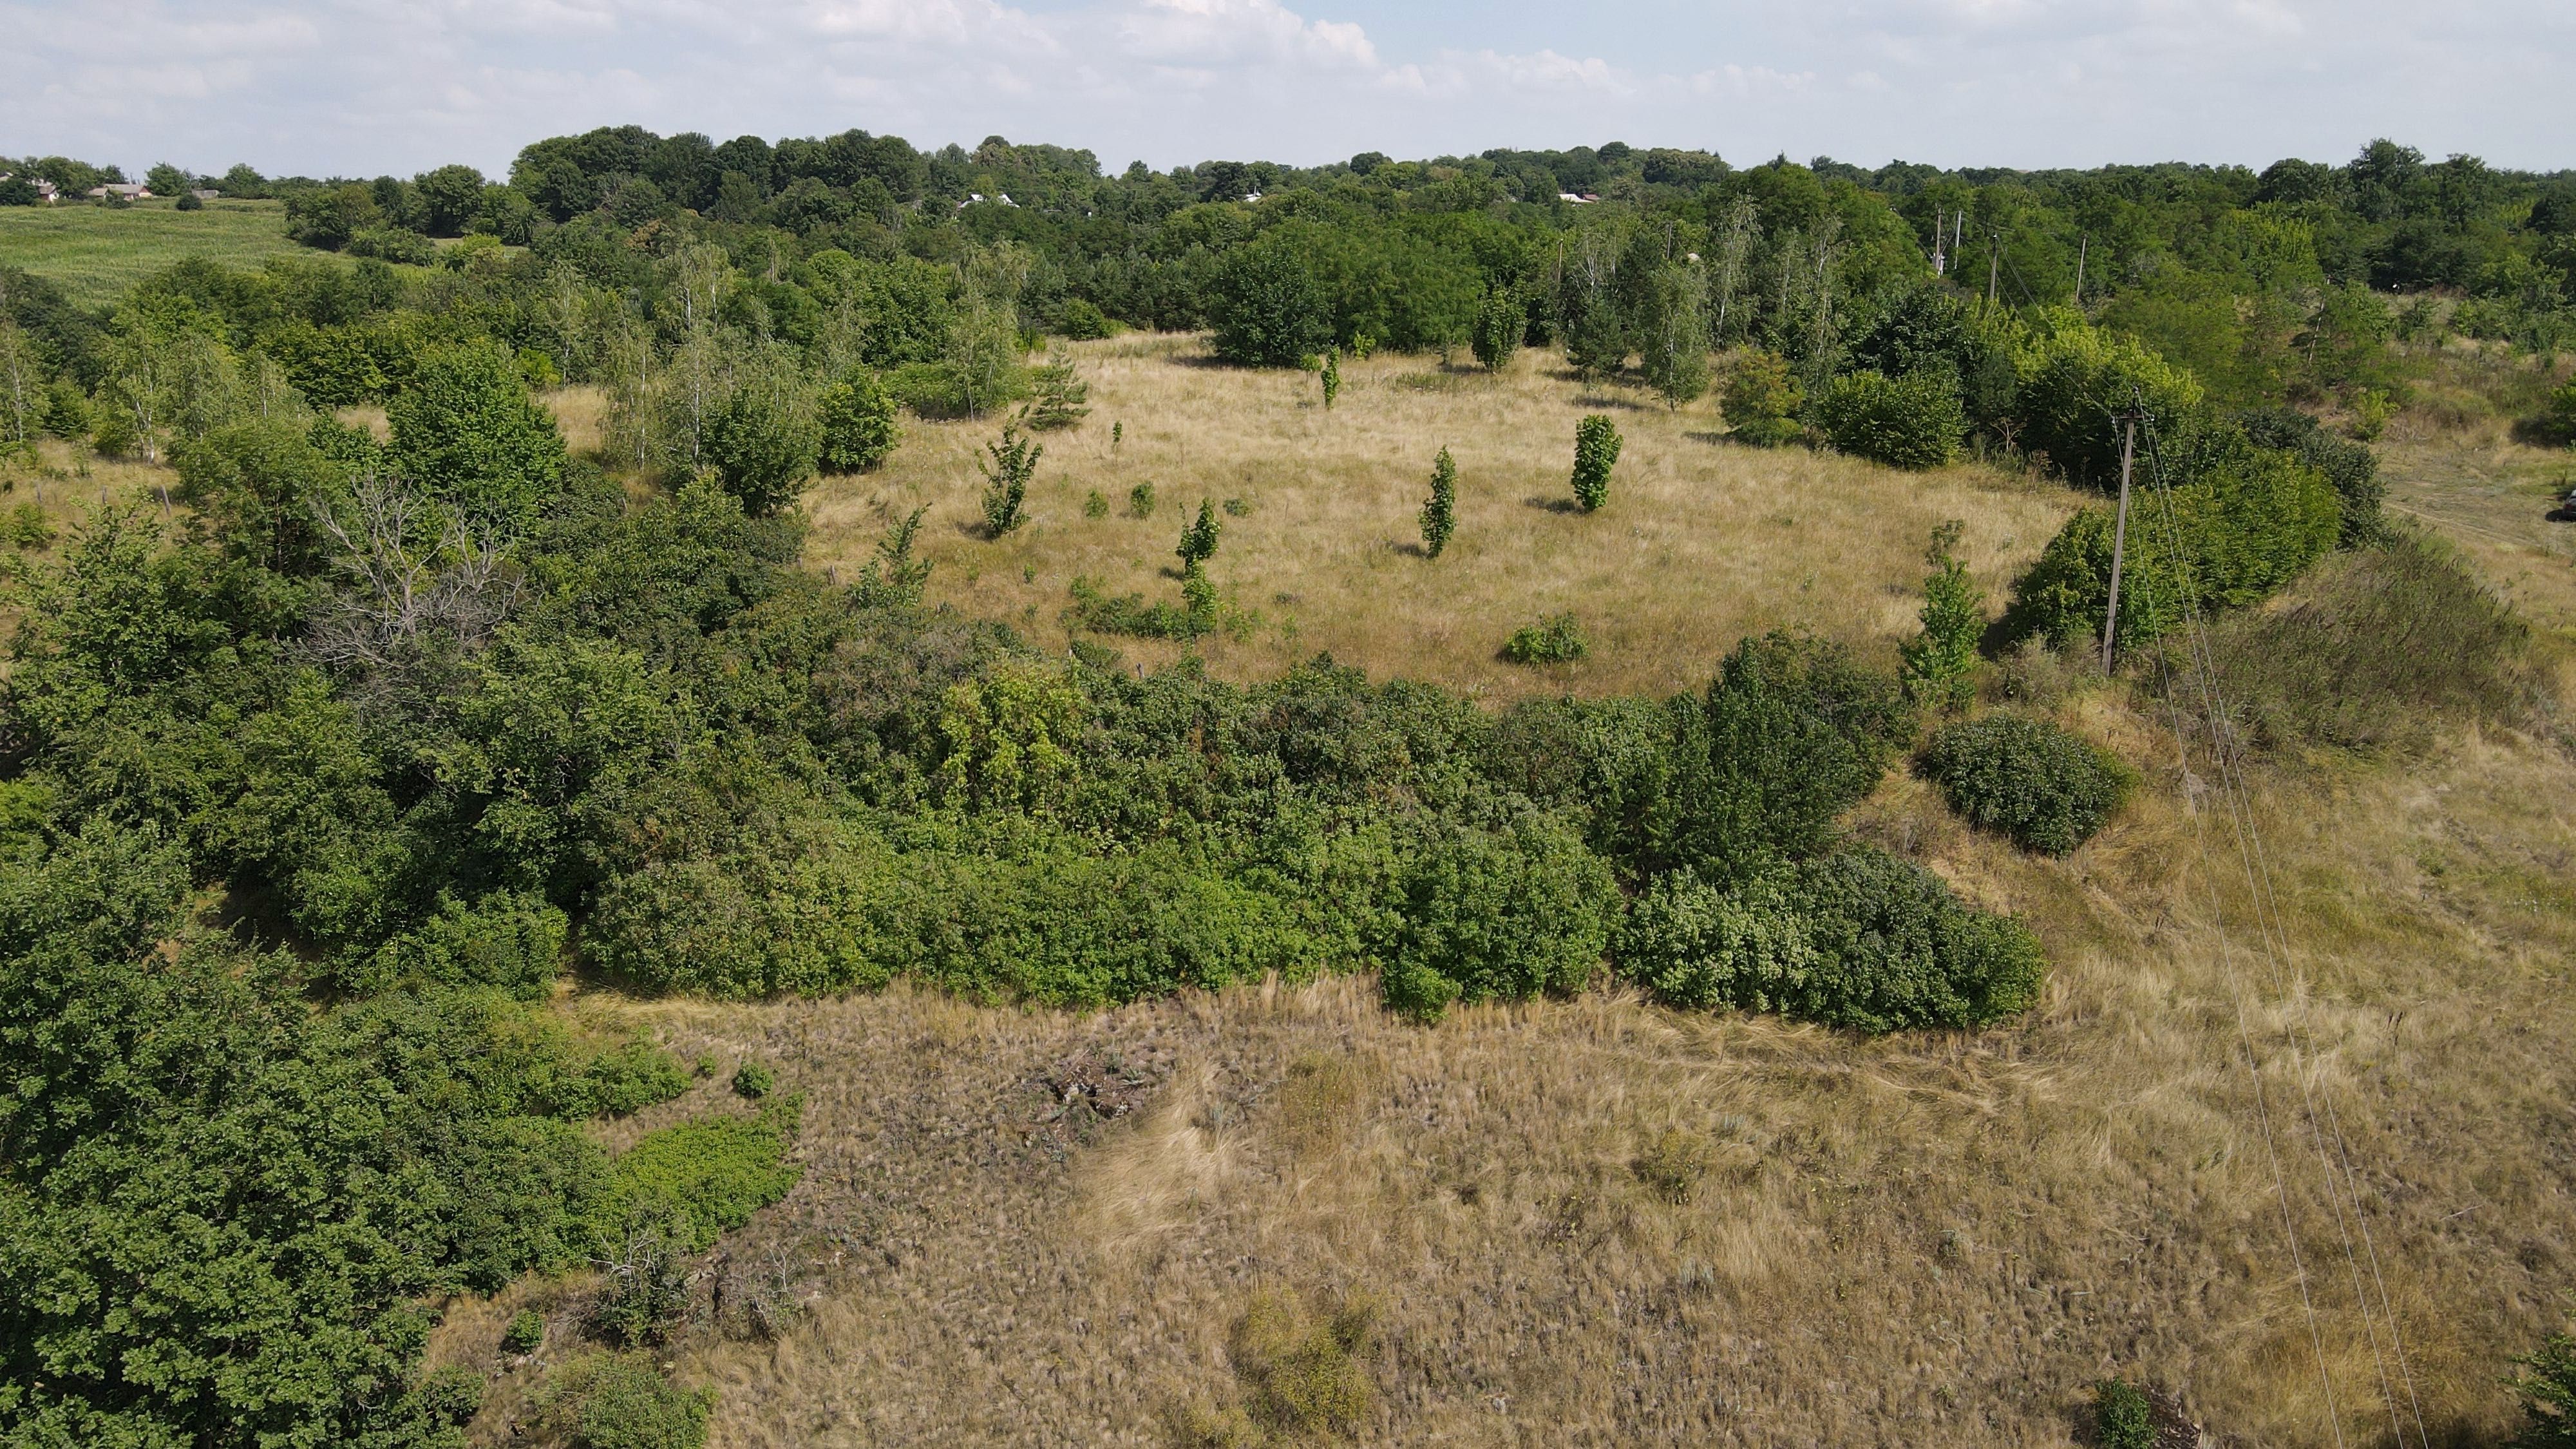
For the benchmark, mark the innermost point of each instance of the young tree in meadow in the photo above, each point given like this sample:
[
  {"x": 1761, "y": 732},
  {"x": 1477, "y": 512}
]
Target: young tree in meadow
[
  {"x": 1596, "y": 451},
  {"x": 1940, "y": 663},
  {"x": 1331, "y": 376},
  {"x": 1498, "y": 329},
  {"x": 1199, "y": 540},
  {"x": 1061, "y": 393},
  {"x": 1440, "y": 510},
  {"x": 1013, "y": 461},
  {"x": 1674, "y": 334}
]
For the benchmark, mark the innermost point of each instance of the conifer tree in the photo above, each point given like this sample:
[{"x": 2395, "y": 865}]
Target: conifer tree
[{"x": 1440, "y": 511}]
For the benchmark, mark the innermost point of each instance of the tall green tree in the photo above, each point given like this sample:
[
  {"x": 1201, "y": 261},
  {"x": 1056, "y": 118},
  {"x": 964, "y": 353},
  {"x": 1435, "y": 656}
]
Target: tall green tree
[{"x": 468, "y": 433}]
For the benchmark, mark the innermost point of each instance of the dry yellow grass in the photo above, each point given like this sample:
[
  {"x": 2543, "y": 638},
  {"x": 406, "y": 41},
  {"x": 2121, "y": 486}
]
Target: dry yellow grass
[{"x": 1702, "y": 541}]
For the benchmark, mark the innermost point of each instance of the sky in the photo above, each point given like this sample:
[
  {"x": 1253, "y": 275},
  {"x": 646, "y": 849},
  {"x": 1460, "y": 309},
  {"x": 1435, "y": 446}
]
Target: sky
[{"x": 364, "y": 87}]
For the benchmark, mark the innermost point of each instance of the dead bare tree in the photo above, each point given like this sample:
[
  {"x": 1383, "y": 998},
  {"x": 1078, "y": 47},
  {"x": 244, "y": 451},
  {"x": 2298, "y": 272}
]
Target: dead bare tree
[{"x": 401, "y": 591}]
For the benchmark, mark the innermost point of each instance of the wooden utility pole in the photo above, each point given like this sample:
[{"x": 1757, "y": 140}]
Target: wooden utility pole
[
  {"x": 2081, "y": 249},
  {"x": 1994, "y": 259},
  {"x": 2119, "y": 532}
]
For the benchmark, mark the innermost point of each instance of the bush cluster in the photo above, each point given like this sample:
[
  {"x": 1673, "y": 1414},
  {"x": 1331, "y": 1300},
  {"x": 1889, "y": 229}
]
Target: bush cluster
[
  {"x": 2027, "y": 780},
  {"x": 1912, "y": 420},
  {"x": 1857, "y": 939},
  {"x": 1556, "y": 639}
]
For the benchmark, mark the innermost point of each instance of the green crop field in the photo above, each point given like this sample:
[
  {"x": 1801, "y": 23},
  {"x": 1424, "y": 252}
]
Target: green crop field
[{"x": 96, "y": 253}]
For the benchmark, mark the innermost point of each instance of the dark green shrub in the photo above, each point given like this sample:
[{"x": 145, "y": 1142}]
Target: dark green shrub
[
  {"x": 394, "y": 244},
  {"x": 857, "y": 417},
  {"x": 626, "y": 1078},
  {"x": 1095, "y": 504},
  {"x": 1081, "y": 321},
  {"x": 1140, "y": 501},
  {"x": 1331, "y": 376},
  {"x": 1761, "y": 401},
  {"x": 504, "y": 939},
  {"x": 2073, "y": 377},
  {"x": 2238, "y": 523},
  {"x": 2122, "y": 1417},
  {"x": 1910, "y": 421},
  {"x": 1596, "y": 452},
  {"x": 1792, "y": 732},
  {"x": 763, "y": 442},
  {"x": 1904, "y": 952},
  {"x": 466, "y": 430},
  {"x": 1696, "y": 945},
  {"x": 1556, "y": 639},
  {"x": 802, "y": 913},
  {"x": 1506, "y": 913},
  {"x": 2028, "y": 780},
  {"x": 1266, "y": 308},
  {"x": 753, "y": 1080},
  {"x": 526, "y": 1332},
  {"x": 621, "y": 1401},
  {"x": 26, "y": 527},
  {"x": 1440, "y": 510},
  {"x": 2351, "y": 468}
]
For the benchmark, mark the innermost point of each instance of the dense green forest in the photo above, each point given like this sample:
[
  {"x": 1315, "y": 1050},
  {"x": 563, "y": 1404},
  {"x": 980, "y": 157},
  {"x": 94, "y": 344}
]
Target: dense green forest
[{"x": 315, "y": 784}]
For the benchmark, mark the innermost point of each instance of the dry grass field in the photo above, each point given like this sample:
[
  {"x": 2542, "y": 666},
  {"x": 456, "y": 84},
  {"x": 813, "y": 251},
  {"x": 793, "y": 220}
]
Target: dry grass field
[
  {"x": 1701, "y": 542},
  {"x": 1598, "y": 1222}
]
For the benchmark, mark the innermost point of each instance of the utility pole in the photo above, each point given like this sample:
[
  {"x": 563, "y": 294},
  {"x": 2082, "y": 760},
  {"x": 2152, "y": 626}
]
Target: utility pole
[
  {"x": 2082, "y": 247},
  {"x": 1994, "y": 259},
  {"x": 2120, "y": 530}
]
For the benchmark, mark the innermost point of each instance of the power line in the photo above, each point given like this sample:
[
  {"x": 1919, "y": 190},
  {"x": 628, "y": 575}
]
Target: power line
[{"x": 2226, "y": 754}]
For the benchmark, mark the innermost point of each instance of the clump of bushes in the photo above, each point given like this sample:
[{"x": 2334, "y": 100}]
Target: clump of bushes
[
  {"x": 1556, "y": 639},
  {"x": 2122, "y": 1416},
  {"x": 857, "y": 417},
  {"x": 2028, "y": 780},
  {"x": 1858, "y": 939},
  {"x": 621, "y": 1401},
  {"x": 1503, "y": 913},
  {"x": 1761, "y": 400},
  {"x": 753, "y": 1080},
  {"x": 526, "y": 1332},
  {"x": 709, "y": 1175},
  {"x": 1912, "y": 421}
]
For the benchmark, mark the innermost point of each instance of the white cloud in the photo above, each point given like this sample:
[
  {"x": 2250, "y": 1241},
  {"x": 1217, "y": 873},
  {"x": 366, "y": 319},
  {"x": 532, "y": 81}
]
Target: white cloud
[{"x": 373, "y": 85}]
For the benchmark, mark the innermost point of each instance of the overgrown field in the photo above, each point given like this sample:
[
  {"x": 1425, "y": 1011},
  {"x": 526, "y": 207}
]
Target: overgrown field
[
  {"x": 1703, "y": 541},
  {"x": 97, "y": 253}
]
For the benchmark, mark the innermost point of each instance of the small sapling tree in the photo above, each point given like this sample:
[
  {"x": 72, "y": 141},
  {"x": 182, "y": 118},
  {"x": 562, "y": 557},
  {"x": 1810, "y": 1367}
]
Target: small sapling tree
[
  {"x": 1014, "y": 460},
  {"x": 1440, "y": 510},
  {"x": 1198, "y": 541},
  {"x": 1060, "y": 393},
  {"x": 1941, "y": 662},
  {"x": 1331, "y": 376},
  {"x": 1596, "y": 451}
]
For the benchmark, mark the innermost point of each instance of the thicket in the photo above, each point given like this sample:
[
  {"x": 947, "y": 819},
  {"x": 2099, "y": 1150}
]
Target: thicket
[{"x": 1912, "y": 420}]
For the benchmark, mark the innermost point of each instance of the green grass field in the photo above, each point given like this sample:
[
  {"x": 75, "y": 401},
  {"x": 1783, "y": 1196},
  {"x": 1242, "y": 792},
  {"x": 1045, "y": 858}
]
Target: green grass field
[{"x": 96, "y": 253}]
